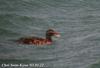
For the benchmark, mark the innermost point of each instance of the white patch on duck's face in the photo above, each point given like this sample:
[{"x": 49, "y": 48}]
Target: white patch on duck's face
[{"x": 55, "y": 37}]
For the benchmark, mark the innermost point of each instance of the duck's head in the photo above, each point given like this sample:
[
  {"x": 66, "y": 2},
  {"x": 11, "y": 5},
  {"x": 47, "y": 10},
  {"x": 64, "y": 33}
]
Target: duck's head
[{"x": 51, "y": 32}]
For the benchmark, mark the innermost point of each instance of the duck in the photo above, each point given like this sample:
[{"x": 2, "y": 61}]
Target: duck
[{"x": 40, "y": 41}]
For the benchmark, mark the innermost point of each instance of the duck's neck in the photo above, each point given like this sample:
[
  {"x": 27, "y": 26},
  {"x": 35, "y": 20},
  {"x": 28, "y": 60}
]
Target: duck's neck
[{"x": 48, "y": 38}]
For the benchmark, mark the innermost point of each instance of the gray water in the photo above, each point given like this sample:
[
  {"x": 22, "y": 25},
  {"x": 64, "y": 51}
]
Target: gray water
[{"x": 78, "y": 22}]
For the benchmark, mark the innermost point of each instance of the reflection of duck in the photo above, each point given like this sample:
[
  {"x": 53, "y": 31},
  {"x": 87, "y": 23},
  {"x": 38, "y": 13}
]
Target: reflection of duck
[{"x": 40, "y": 41}]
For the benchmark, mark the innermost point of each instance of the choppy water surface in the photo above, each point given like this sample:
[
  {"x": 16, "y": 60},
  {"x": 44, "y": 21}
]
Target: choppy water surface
[{"x": 78, "y": 21}]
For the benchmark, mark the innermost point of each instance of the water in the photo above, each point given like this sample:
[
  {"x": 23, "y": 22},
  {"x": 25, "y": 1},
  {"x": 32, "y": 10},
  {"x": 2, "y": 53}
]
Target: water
[{"x": 77, "y": 21}]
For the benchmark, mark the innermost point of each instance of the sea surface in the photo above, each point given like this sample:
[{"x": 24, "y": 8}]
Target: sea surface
[{"x": 78, "y": 22}]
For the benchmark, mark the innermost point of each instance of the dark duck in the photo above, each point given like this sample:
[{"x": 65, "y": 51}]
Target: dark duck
[{"x": 40, "y": 41}]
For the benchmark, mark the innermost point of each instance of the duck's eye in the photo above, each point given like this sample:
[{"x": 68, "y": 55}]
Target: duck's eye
[{"x": 52, "y": 32}]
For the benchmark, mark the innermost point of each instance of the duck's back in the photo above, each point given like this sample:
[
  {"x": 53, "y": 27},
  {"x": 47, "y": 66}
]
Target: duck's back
[{"x": 34, "y": 40}]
